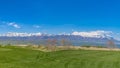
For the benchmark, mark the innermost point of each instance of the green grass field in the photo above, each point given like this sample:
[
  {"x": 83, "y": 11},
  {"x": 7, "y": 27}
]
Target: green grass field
[{"x": 14, "y": 57}]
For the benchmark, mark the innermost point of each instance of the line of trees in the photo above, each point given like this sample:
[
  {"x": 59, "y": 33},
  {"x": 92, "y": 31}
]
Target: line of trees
[
  {"x": 52, "y": 43},
  {"x": 66, "y": 45}
]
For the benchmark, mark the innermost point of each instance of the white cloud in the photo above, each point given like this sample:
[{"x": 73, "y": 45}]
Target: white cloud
[
  {"x": 36, "y": 26},
  {"x": 13, "y": 24},
  {"x": 97, "y": 34}
]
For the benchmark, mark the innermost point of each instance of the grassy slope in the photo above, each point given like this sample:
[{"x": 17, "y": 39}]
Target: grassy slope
[{"x": 24, "y": 58}]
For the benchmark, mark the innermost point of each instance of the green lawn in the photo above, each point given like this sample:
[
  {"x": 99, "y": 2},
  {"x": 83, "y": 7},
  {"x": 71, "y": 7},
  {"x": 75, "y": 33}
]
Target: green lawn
[{"x": 12, "y": 57}]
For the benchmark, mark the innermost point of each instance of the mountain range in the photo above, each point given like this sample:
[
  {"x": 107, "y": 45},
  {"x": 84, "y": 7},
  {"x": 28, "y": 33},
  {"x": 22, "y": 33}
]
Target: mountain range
[{"x": 75, "y": 38}]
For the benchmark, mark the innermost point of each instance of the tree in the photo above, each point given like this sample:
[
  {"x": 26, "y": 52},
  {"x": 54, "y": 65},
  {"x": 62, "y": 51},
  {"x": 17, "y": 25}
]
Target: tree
[
  {"x": 111, "y": 44},
  {"x": 66, "y": 44},
  {"x": 54, "y": 44},
  {"x": 51, "y": 44},
  {"x": 62, "y": 42}
]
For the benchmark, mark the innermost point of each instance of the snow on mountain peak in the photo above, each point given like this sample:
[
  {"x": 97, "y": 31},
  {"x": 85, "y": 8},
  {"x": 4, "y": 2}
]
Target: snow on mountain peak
[
  {"x": 96, "y": 34},
  {"x": 13, "y": 34}
]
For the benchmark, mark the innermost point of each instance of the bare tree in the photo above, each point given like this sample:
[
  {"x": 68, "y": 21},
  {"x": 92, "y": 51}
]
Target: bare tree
[
  {"x": 51, "y": 44},
  {"x": 66, "y": 44},
  {"x": 48, "y": 44},
  {"x": 111, "y": 44},
  {"x": 62, "y": 42}
]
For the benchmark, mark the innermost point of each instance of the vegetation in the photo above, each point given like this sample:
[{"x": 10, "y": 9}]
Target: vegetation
[
  {"x": 88, "y": 46},
  {"x": 16, "y": 57}
]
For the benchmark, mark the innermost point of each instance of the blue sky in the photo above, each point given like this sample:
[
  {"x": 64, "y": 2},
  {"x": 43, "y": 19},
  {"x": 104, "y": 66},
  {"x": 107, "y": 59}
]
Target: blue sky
[{"x": 58, "y": 16}]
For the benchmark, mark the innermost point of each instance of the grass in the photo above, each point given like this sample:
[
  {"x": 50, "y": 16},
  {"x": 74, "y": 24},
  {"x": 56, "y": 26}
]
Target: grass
[{"x": 15, "y": 57}]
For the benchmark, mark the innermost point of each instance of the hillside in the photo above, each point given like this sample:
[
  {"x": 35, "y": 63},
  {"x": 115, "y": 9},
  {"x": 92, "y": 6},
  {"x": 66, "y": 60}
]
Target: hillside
[{"x": 14, "y": 57}]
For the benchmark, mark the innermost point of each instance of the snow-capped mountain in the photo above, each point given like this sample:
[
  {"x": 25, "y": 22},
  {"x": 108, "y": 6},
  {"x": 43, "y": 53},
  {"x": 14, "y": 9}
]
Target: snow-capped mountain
[
  {"x": 92, "y": 34},
  {"x": 15, "y": 34},
  {"x": 76, "y": 38},
  {"x": 95, "y": 34},
  {"x": 42, "y": 39}
]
